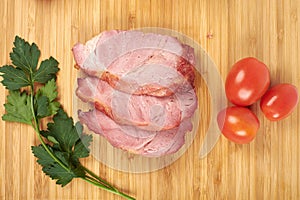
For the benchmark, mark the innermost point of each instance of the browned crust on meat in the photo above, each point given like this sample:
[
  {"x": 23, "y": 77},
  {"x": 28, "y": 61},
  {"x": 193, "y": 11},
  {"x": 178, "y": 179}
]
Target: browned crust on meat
[
  {"x": 154, "y": 90},
  {"x": 99, "y": 106},
  {"x": 187, "y": 70},
  {"x": 111, "y": 79}
]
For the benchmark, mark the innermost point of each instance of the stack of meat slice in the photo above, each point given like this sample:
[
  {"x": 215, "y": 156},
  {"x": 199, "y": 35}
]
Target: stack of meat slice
[{"x": 142, "y": 89}]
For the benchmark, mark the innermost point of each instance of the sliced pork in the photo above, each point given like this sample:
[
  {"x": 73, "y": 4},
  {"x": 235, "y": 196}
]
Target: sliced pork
[
  {"x": 118, "y": 57},
  {"x": 133, "y": 139},
  {"x": 141, "y": 88},
  {"x": 146, "y": 112}
]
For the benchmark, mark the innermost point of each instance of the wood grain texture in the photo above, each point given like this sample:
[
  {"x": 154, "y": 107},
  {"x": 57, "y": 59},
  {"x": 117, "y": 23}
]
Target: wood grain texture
[{"x": 268, "y": 168}]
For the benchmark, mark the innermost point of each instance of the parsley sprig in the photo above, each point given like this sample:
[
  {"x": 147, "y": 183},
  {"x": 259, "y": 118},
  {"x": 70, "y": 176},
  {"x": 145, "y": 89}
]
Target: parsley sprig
[{"x": 32, "y": 97}]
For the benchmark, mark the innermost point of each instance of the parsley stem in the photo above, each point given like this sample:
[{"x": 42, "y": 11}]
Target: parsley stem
[
  {"x": 98, "y": 178},
  {"x": 95, "y": 180},
  {"x": 36, "y": 127},
  {"x": 101, "y": 182},
  {"x": 108, "y": 189}
]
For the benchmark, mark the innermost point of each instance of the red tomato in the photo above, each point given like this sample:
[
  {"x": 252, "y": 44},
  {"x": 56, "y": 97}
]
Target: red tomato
[
  {"x": 238, "y": 124},
  {"x": 247, "y": 81},
  {"x": 279, "y": 101}
]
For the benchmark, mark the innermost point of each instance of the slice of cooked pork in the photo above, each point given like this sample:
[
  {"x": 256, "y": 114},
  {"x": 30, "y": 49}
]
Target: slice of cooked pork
[
  {"x": 133, "y": 139},
  {"x": 118, "y": 56},
  {"x": 146, "y": 112}
]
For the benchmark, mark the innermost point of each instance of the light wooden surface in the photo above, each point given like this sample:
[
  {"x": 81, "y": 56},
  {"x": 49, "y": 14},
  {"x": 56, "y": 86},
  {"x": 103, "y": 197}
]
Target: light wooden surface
[{"x": 268, "y": 168}]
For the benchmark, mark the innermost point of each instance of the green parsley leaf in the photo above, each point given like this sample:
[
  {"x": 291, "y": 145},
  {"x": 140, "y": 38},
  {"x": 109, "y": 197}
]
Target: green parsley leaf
[
  {"x": 46, "y": 71},
  {"x": 52, "y": 139},
  {"x": 43, "y": 157},
  {"x": 81, "y": 149},
  {"x": 42, "y": 103},
  {"x": 24, "y": 55},
  {"x": 13, "y": 78},
  {"x": 68, "y": 138},
  {"x": 52, "y": 168},
  {"x": 63, "y": 130},
  {"x": 49, "y": 90},
  {"x": 18, "y": 108},
  {"x": 45, "y": 96},
  {"x": 55, "y": 171}
]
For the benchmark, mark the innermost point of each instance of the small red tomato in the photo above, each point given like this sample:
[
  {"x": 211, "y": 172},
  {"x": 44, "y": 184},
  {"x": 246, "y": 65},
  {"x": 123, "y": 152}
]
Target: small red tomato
[
  {"x": 279, "y": 101},
  {"x": 247, "y": 81},
  {"x": 238, "y": 124}
]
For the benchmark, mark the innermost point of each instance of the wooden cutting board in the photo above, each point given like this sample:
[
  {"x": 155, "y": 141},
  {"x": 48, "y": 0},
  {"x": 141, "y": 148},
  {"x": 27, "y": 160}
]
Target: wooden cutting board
[{"x": 228, "y": 30}]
